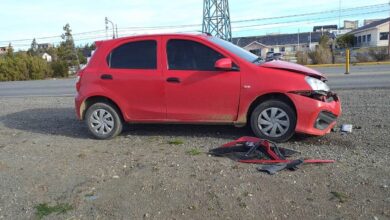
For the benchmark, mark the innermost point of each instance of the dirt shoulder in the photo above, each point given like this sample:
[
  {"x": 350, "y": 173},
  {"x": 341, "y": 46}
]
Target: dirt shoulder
[{"x": 155, "y": 171}]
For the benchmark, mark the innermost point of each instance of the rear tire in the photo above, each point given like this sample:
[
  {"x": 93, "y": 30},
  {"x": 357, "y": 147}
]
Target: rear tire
[
  {"x": 103, "y": 120},
  {"x": 273, "y": 120}
]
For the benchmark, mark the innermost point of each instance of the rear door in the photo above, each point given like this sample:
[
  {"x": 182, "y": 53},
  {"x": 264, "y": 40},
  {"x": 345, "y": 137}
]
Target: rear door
[
  {"x": 135, "y": 76},
  {"x": 194, "y": 89}
]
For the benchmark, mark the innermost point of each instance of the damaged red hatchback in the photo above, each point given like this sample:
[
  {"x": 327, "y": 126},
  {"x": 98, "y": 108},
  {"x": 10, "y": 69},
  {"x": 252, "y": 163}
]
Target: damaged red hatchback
[{"x": 187, "y": 78}]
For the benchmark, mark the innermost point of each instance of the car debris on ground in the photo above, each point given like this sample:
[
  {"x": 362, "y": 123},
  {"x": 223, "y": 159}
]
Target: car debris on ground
[{"x": 260, "y": 151}]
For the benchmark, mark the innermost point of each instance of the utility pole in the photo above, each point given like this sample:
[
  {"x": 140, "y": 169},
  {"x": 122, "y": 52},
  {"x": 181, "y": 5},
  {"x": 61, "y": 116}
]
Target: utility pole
[
  {"x": 339, "y": 15},
  {"x": 216, "y": 19},
  {"x": 298, "y": 39},
  {"x": 113, "y": 28},
  {"x": 388, "y": 37}
]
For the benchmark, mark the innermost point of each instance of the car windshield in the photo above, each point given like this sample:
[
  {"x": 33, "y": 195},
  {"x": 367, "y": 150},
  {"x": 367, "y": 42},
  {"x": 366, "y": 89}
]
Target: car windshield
[{"x": 244, "y": 54}]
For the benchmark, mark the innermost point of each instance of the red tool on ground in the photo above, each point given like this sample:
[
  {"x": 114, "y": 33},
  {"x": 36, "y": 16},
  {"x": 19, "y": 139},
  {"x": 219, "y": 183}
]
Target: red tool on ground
[{"x": 258, "y": 151}]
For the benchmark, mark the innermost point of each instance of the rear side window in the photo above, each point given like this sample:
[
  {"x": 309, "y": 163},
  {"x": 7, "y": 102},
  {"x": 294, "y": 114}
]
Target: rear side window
[
  {"x": 191, "y": 55},
  {"x": 134, "y": 55}
]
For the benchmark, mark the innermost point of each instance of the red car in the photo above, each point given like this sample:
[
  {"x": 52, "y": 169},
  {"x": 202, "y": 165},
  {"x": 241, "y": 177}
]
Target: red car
[{"x": 187, "y": 78}]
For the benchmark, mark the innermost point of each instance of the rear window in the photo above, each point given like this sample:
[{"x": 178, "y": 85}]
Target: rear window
[{"x": 134, "y": 55}]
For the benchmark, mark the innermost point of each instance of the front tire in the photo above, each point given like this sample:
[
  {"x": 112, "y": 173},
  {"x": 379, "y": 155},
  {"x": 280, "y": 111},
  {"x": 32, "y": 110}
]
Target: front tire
[
  {"x": 103, "y": 120},
  {"x": 273, "y": 120}
]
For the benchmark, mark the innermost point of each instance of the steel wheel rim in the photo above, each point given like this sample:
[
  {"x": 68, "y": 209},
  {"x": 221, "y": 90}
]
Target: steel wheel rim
[
  {"x": 273, "y": 122},
  {"x": 101, "y": 121}
]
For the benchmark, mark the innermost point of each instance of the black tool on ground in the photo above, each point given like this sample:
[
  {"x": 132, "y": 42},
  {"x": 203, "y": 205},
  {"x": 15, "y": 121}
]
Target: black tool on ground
[{"x": 274, "y": 168}]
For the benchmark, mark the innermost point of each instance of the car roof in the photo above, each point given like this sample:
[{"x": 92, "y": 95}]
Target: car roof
[{"x": 201, "y": 35}]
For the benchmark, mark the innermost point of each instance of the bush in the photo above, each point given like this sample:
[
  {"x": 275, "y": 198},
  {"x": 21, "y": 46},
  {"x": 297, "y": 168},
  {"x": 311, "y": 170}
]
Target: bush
[
  {"x": 379, "y": 54},
  {"x": 60, "y": 69},
  {"x": 302, "y": 58},
  {"x": 23, "y": 67},
  {"x": 363, "y": 57},
  {"x": 321, "y": 55}
]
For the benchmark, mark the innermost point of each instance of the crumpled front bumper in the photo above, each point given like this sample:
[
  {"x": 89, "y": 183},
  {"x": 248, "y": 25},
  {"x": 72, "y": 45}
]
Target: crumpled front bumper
[{"x": 316, "y": 117}]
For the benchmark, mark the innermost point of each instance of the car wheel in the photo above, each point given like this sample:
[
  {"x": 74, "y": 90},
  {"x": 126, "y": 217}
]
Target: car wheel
[
  {"x": 273, "y": 120},
  {"x": 103, "y": 121}
]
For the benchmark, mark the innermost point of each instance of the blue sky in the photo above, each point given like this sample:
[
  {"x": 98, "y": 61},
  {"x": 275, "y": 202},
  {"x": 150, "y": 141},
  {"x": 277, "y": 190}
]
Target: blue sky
[{"x": 26, "y": 19}]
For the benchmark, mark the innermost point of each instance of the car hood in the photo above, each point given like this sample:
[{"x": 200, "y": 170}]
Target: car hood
[{"x": 292, "y": 67}]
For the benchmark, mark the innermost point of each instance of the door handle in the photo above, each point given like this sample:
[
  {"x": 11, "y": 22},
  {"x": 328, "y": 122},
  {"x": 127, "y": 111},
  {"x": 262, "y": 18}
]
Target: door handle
[
  {"x": 106, "y": 77},
  {"x": 173, "y": 80}
]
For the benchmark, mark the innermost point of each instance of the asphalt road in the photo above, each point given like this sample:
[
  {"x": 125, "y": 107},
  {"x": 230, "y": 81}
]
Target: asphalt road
[{"x": 360, "y": 77}]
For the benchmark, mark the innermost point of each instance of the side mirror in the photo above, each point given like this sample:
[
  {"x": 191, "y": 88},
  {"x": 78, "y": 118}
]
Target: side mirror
[{"x": 224, "y": 64}]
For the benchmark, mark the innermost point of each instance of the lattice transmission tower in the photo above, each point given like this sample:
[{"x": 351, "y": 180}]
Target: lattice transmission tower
[{"x": 216, "y": 19}]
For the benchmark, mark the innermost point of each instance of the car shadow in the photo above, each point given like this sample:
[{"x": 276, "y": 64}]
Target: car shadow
[
  {"x": 63, "y": 122},
  {"x": 53, "y": 121},
  {"x": 184, "y": 130}
]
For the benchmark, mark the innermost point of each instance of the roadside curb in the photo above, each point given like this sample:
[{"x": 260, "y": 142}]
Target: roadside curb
[{"x": 353, "y": 64}]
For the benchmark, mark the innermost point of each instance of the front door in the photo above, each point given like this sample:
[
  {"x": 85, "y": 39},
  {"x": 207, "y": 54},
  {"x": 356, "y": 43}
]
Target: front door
[{"x": 194, "y": 90}]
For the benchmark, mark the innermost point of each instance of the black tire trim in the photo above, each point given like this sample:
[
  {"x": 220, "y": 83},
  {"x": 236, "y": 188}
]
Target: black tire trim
[
  {"x": 118, "y": 124},
  {"x": 279, "y": 104}
]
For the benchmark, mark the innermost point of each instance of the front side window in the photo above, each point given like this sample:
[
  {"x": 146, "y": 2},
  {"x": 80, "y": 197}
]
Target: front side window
[
  {"x": 134, "y": 55},
  {"x": 369, "y": 38},
  {"x": 191, "y": 55}
]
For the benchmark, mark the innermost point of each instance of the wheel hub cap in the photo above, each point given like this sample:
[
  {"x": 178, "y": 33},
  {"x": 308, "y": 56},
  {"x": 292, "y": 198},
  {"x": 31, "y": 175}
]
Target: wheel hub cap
[
  {"x": 273, "y": 122},
  {"x": 102, "y": 121}
]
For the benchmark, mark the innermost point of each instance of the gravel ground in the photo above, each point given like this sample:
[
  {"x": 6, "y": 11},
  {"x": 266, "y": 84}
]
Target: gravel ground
[{"x": 46, "y": 156}]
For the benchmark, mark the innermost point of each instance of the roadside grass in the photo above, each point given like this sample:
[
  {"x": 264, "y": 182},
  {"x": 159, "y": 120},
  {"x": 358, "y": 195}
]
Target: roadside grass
[
  {"x": 193, "y": 152},
  {"x": 342, "y": 197},
  {"x": 44, "y": 209},
  {"x": 175, "y": 142}
]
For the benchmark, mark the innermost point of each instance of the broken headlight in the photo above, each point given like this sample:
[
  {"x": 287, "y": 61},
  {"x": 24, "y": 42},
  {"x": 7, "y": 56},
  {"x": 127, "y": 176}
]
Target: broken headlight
[
  {"x": 318, "y": 95},
  {"x": 316, "y": 84}
]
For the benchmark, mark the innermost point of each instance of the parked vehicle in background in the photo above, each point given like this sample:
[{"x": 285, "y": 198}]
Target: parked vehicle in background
[
  {"x": 269, "y": 56},
  {"x": 277, "y": 56},
  {"x": 186, "y": 78}
]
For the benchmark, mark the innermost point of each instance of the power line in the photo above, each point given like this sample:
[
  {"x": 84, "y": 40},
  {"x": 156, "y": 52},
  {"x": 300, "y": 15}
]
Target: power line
[
  {"x": 313, "y": 13},
  {"x": 268, "y": 28},
  {"x": 322, "y": 18},
  {"x": 148, "y": 28}
]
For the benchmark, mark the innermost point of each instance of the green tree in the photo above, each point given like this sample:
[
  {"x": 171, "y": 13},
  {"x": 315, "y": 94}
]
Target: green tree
[
  {"x": 322, "y": 53},
  {"x": 85, "y": 51},
  {"x": 10, "y": 51},
  {"x": 345, "y": 41},
  {"x": 66, "y": 51},
  {"x": 33, "y": 51},
  {"x": 59, "y": 68}
]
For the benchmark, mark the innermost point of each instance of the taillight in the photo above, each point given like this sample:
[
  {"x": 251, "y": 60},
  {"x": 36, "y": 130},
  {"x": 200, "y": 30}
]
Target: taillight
[{"x": 78, "y": 81}]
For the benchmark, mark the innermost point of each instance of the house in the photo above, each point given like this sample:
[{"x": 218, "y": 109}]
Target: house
[
  {"x": 325, "y": 28},
  {"x": 351, "y": 24},
  {"x": 374, "y": 34},
  {"x": 46, "y": 57},
  {"x": 369, "y": 21},
  {"x": 4, "y": 50},
  {"x": 44, "y": 46},
  {"x": 281, "y": 43}
]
